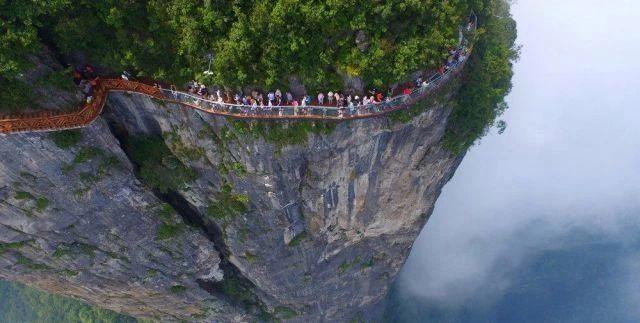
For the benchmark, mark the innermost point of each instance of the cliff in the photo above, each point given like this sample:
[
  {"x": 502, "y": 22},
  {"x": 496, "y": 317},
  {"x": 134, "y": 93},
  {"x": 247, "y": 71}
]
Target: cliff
[{"x": 293, "y": 221}]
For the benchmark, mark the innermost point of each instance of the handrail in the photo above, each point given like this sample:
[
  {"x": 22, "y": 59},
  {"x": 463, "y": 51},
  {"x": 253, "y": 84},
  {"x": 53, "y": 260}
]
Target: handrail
[
  {"x": 310, "y": 111},
  {"x": 53, "y": 121}
]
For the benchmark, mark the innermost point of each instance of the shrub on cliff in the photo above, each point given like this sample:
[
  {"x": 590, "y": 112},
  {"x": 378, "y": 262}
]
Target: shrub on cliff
[
  {"x": 14, "y": 95},
  {"x": 227, "y": 204},
  {"x": 67, "y": 138},
  {"x": 168, "y": 231},
  {"x": 158, "y": 167}
]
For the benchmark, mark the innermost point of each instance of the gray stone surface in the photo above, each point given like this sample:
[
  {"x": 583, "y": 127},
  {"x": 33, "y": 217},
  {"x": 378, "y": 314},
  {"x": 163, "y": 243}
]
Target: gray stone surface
[
  {"x": 328, "y": 226},
  {"x": 96, "y": 237}
]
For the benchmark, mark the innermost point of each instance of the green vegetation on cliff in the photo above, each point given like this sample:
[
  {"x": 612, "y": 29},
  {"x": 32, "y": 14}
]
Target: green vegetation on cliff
[
  {"x": 158, "y": 167},
  {"x": 23, "y": 304},
  {"x": 487, "y": 78},
  {"x": 67, "y": 138}
]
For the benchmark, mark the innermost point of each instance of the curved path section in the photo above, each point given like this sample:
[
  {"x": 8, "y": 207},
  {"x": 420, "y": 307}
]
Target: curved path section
[{"x": 59, "y": 120}]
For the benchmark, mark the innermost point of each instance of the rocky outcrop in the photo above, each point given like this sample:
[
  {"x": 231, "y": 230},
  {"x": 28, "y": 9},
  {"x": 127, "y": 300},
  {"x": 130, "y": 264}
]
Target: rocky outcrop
[{"x": 295, "y": 221}]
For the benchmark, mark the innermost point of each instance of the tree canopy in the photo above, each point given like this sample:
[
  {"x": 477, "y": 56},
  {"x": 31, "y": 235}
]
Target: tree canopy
[{"x": 257, "y": 42}]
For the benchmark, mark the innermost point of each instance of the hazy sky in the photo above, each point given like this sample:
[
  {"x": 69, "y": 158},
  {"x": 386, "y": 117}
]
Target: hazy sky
[{"x": 568, "y": 163}]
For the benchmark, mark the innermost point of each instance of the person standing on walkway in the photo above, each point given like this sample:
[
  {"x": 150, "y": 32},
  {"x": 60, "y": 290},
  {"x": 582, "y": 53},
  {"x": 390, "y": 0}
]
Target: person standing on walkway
[
  {"x": 254, "y": 106},
  {"x": 320, "y": 98},
  {"x": 304, "y": 102},
  {"x": 289, "y": 98},
  {"x": 330, "y": 97},
  {"x": 365, "y": 104},
  {"x": 378, "y": 97},
  {"x": 294, "y": 103}
]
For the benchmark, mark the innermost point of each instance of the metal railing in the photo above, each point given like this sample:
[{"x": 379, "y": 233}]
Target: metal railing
[{"x": 313, "y": 111}]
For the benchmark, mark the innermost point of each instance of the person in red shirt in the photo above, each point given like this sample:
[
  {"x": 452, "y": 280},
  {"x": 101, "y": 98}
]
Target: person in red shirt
[{"x": 77, "y": 78}]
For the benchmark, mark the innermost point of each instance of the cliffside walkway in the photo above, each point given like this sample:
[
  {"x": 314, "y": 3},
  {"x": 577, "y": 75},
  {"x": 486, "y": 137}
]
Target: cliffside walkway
[
  {"x": 84, "y": 116},
  {"x": 57, "y": 120}
]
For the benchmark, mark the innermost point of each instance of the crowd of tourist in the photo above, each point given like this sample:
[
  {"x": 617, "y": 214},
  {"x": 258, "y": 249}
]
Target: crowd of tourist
[
  {"x": 255, "y": 102},
  {"x": 84, "y": 76}
]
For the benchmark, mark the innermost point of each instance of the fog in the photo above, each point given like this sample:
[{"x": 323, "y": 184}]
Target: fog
[{"x": 564, "y": 177}]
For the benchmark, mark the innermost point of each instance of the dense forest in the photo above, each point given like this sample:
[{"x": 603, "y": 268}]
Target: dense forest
[
  {"x": 22, "y": 304},
  {"x": 258, "y": 42}
]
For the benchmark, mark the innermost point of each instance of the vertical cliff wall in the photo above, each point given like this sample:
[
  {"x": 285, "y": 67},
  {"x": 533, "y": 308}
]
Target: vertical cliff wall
[{"x": 287, "y": 221}]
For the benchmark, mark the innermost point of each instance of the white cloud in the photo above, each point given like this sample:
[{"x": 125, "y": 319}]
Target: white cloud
[{"x": 570, "y": 159}]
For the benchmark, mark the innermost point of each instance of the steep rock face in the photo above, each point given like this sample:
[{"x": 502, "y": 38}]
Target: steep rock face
[
  {"x": 315, "y": 230},
  {"x": 329, "y": 222},
  {"x": 77, "y": 222}
]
